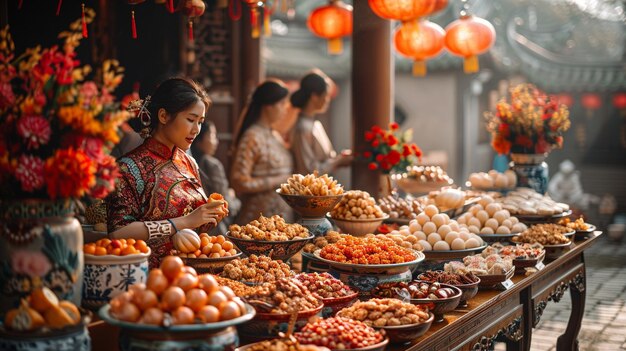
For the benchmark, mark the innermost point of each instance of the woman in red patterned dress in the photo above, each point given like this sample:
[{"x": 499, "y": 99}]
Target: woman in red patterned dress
[{"x": 159, "y": 190}]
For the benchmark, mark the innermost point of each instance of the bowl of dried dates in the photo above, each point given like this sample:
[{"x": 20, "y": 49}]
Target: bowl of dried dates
[
  {"x": 338, "y": 333},
  {"x": 441, "y": 298},
  {"x": 333, "y": 292},
  {"x": 467, "y": 282}
]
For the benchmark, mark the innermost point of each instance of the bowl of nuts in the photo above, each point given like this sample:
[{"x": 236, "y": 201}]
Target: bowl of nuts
[
  {"x": 357, "y": 213},
  {"x": 443, "y": 297},
  {"x": 400, "y": 334},
  {"x": 255, "y": 270},
  {"x": 333, "y": 292},
  {"x": 342, "y": 334},
  {"x": 311, "y": 196},
  {"x": 275, "y": 304},
  {"x": 280, "y": 344},
  {"x": 270, "y": 236}
]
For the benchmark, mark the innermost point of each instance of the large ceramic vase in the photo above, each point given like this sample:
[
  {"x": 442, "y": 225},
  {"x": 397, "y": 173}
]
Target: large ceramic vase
[
  {"x": 531, "y": 171},
  {"x": 41, "y": 244}
]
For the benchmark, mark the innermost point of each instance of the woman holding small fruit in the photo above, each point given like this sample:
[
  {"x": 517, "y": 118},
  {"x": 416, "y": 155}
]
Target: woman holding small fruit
[{"x": 159, "y": 190}]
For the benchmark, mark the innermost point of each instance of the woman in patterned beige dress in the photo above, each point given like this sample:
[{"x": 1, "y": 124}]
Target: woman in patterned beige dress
[{"x": 262, "y": 161}]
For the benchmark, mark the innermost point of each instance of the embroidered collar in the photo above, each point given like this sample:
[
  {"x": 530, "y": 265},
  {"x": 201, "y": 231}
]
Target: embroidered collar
[{"x": 159, "y": 148}]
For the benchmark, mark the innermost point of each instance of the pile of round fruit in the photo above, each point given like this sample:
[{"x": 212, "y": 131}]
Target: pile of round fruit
[
  {"x": 117, "y": 247},
  {"x": 209, "y": 247},
  {"x": 174, "y": 294},
  {"x": 339, "y": 334}
]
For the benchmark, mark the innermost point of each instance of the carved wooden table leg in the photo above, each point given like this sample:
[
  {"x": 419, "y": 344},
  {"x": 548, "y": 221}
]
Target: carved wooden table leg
[{"x": 569, "y": 340}]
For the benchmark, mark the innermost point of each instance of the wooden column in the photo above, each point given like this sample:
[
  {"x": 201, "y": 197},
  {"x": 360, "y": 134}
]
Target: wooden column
[
  {"x": 251, "y": 73},
  {"x": 372, "y": 87}
]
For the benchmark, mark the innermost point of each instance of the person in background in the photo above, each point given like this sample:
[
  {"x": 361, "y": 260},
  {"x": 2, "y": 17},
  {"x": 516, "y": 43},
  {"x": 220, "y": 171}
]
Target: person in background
[
  {"x": 159, "y": 190},
  {"x": 262, "y": 161},
  {"x": 310, "y": 145},
  {"x": 212, "y": 172}
]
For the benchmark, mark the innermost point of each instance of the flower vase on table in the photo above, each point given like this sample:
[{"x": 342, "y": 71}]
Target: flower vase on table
[{"x": 531, "y": 171}]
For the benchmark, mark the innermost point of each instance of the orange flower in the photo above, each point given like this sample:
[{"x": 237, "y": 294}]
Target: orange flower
[{"x": 69, "y": 173}]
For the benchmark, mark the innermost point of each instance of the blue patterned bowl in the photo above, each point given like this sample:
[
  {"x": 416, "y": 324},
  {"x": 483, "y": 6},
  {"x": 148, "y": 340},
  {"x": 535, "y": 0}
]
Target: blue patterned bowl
[{"x": 107, "y": 276}]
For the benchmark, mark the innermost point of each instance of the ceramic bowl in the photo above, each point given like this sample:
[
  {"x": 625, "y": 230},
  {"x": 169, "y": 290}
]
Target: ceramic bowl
[
  {"x": 309, "y": 347},
  {"x": 555, "y": 251},
  {"x": 107, "y": 276},
  {"x": 358, "y": 227},
  {"x": 209, "y": 265},
  {"x": 406, "y": 333},
  {"x": 267, "y": 325},
  {"x": 276, "y": 250},
  {"x": 467, "y": 290},
  {"x": 490, "y": 280},
  {"x": 333, "y": 305},
  {"x": 441, "y": 306},
  {"x": 584, "y": 234},
  {"x": 391, "y": 268},
  {"x": 309, "y": 206},
  {"x": 417, "y": 187}
]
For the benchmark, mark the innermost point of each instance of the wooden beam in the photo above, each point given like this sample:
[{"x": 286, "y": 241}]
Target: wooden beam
[{"x": 372, "y": 87}]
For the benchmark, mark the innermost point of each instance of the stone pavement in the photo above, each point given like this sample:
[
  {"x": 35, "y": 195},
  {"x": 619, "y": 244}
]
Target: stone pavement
[{"x": 604, "y": 322}]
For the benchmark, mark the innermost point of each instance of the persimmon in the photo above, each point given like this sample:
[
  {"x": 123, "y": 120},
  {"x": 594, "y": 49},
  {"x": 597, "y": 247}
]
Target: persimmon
[{"x": 171, "y": 267}]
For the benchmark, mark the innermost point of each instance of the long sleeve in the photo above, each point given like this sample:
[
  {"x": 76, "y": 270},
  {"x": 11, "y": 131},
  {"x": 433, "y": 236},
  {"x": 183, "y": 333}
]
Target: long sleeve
[
  {"x": 122, "y": 205},
  {"x": 308, "y": 151},
  {"x": 248, "y": 154}
]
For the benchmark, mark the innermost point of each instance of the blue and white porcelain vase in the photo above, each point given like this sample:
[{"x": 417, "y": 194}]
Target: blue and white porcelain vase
[{"x": 531, "y": 171}]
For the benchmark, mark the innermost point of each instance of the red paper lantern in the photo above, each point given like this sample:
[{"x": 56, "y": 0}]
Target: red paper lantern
[
  {"x": 591, "y": 101},
  {"x": 565, "y": 99},
  {"x": 468, "y": 37},
  {"x": 253, "y": 5},
  {"x": 619, "y": 100},
  {"x": 191, "y": 9},
  {"x": 406, "y": 10},
  {"x": 332, "y": 22},
  {"x": 419, "y": 40}
]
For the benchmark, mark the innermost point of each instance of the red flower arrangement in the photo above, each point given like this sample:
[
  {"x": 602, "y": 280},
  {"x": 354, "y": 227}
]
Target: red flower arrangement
[
  {"x": 533, "y": 123},
  {"x": 391, "y": 150},
  {"x": 56, "y": 128}
]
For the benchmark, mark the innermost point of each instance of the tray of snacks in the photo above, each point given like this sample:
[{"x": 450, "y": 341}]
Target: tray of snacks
[
  {"x": 340, "y": 333},
  {"x": 551, "y": 236},
  {"x": 334, "y": 293},
  {"x": 256, "y": 269},
  {"x": 532, "y": 207},
  {"x": 438, "y": 236},
  {"x": 369, "y": 255},
  {"x": 467, "y": 282},
  {"x": 400, "y": 210},
  {"x": 280, "y": 344},
  {"x": 270, "y": 236},
  {"x": 310, "y": 263},
  {"x": 490, "y": 221},
  {"x": 555, "y": 251},
  {"x": 450, "y": 201},
  {"x": 275, "y": 303},
  {"x": 422, "y": 179},
  {"x": 393, "y": 316},
  {"x": 311, "y": 196},
  {"x": 583, "y": 230},
  {"x": 493, "y": 181},
  {"x": 523, "y": 255},
  {"x": 492, "y": 270},
  {"x": 357, "y": 213}
]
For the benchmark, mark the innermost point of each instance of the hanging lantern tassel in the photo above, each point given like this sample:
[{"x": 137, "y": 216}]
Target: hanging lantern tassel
[
  {"x": 59, "y": 7},
  {"x": 335, "y": 46},
  {"x": 19, "y": 4},
  {"x": 266, "y": 22},
  {"x": 84, "y": 22},
  {"x": 170, "y": 6},
  {"x": 419, "y": 68},
  {"x": 254, "y": 22},
  {"x": 190, "y": 30},
  {"x": 470, "y": 64},
  {"x": 133, "y": 25}
]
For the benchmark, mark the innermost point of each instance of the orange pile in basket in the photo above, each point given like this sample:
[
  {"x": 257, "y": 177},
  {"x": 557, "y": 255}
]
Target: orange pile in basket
[{"x": 117, "y": 247}]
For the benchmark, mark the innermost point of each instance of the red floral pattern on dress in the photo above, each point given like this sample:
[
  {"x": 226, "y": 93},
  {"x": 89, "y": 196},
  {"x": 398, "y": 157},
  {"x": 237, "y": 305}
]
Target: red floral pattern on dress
[{"x": 156, "y": 183}]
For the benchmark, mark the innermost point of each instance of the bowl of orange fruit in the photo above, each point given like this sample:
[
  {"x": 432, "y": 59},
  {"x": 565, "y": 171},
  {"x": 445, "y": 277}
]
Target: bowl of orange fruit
[
  {"x": 111, "y": 266},
  {"x": 203, "y": 252},
  {"x": 176, "y": 303}
]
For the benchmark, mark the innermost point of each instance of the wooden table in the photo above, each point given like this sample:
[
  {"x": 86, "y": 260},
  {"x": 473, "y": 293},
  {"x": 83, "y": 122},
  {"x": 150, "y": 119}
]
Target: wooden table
[
  {"x": 510, "y": 315},
  {"x": 491, "y": 315}
]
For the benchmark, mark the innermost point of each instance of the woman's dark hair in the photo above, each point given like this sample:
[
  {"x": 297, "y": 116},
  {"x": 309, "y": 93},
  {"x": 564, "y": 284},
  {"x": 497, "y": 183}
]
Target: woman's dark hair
[
  {"x": 174, "y": 95},
  {"x": 196, "y": 150},
  {"x": 267, "y": 93},
  {"x": 313, "y": 83}
]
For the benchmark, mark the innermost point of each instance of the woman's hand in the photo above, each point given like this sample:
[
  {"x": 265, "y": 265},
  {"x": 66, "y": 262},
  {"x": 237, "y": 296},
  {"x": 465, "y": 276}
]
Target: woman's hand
[{"x": 210, "y": 213}]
